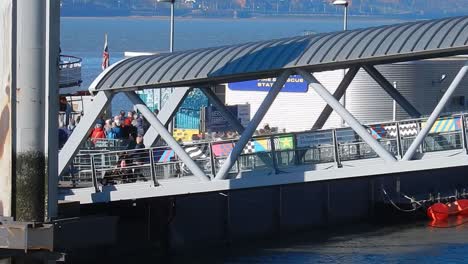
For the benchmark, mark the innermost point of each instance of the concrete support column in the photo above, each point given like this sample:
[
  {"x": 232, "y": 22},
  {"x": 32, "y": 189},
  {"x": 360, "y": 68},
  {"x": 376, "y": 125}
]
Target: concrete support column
[
  {"x": 250, "y": 129},
  {"x": 30, "y": 108},
  {"x": 7, "y": 102},
  {"x": 348, "y": 117},
  {"x": 436, "y": 113},
  {"x": 52, "y": 95}
]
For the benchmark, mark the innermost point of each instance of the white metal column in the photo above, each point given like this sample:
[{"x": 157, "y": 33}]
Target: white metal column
[
  {"x": 435, "y": 114},
  {"x": 232, "y": 120},
  {"x": 340, "y": 91},
  {"x": 167, "y": 113},
  {"x": 250, "y": 129},
  {"x": 347, "y": 116},
  {"x": 159, "y": 127}
]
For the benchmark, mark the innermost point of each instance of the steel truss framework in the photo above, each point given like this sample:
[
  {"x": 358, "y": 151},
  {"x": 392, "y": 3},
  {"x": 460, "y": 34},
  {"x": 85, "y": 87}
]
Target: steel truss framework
[{"x": 159, "y": 123}]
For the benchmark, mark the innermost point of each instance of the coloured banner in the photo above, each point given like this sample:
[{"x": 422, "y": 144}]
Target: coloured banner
[
  {"x": 257, "y": 145},
  {"x": 284, "y": 142},
  {"x": 294, "y": 84},
  {"x": 378, "y": 131},
  {"x": 390, "y": 131},
  {"x": 6, "y": 19},
  {"x": 163, "y": 155},
  {"x": 445, "y": 124},
  {"x": 222, "y": 149}
]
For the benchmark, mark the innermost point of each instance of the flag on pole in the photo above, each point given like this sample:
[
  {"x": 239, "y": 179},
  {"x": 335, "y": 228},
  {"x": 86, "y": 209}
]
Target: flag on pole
[{"x": 105, "y": 55}]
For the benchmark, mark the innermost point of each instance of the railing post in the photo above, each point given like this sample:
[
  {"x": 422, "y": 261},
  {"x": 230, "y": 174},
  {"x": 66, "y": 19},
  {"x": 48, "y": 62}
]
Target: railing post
[
  {"x": 152, "y": 168},
  {"x": 296, "y": 152},
  {"x": 93, "y": 174},
  {"x": 273, "y": 154},
  {"x": 398, "y": 138},
  {"x": 421, "y": 146},
  {"x": 336, "y": 153},
  {"x": 212, "y": 160},
  {"x": 71, "y": 168},
  {"x": 237, "y": 161},
  {"x": 463, "y": 129}
]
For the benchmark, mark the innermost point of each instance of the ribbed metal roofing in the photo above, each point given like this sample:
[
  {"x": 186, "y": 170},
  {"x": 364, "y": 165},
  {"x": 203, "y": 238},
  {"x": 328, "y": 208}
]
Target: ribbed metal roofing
[{"x": 377, "y": 45}]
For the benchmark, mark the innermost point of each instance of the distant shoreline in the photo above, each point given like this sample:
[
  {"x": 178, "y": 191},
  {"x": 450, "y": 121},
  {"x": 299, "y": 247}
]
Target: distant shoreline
[{"x": 317, "y": 17}]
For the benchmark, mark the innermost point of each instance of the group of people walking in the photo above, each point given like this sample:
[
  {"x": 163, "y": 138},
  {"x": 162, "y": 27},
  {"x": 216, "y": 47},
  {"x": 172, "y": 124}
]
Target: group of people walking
[{"x": 125, "y": 127}]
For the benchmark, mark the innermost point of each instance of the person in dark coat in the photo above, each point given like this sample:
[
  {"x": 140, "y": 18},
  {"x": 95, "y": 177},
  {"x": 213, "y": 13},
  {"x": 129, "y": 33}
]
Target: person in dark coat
[{"x": 138, "y": 156}]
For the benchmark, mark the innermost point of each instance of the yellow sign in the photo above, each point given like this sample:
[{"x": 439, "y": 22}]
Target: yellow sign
[{"x": 185, "y": 134}]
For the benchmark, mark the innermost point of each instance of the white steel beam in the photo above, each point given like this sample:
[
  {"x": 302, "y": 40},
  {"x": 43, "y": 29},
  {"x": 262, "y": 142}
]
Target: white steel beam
[
  {"x": 347, "y": 116},
  {"x": 390, "y": 90},
  {"x": 83, "y": 129},
  {"x": 159, "y": 127},
  {"x": 436, "y": 113},
  {"x": 339, "y": 92},
  {"x": 250, "y": 129},
  {"x": 233, "y": 121},
  {"x": 166, "y": 113}
]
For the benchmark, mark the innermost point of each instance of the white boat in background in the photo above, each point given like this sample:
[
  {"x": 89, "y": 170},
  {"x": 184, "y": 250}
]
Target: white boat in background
[{"x": 70, "y": 88}]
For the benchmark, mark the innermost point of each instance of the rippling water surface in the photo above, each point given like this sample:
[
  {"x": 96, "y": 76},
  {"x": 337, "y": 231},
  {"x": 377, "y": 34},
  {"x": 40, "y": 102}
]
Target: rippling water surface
[
  {"x": 84, "y": 37},
  {"x": 412, "y": 243}
]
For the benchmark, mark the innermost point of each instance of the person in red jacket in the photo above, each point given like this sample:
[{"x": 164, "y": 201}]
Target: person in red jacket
[{"x": 98, "y": 133}]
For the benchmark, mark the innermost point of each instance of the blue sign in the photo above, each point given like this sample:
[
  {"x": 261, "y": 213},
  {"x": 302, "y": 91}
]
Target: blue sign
[{"x": 295, "y": 84}]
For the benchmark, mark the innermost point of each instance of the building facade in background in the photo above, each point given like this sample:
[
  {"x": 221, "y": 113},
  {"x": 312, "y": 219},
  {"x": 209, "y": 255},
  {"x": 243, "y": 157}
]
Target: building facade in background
[{"x": 421, "y": 82}]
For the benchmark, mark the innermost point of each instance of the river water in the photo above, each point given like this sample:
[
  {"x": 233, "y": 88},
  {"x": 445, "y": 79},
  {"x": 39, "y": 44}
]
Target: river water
[
  {"x": 412, "y": 243},
  {"x": 84, "y": 37}
]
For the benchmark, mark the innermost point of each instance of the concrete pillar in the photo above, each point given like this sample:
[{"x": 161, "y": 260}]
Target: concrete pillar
[
  {"x": 30, "y": 109},
  {"x": 52, "y": 95},
  {"x": 7, "y": 84}
]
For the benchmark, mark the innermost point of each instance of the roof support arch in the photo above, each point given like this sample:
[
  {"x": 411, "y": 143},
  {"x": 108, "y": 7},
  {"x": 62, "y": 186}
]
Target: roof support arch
[{"x": 347, "y": 116}]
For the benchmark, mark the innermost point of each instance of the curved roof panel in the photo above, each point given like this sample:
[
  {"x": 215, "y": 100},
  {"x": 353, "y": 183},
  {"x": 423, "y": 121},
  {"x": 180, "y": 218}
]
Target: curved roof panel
[{"x": 321, "y": 52}]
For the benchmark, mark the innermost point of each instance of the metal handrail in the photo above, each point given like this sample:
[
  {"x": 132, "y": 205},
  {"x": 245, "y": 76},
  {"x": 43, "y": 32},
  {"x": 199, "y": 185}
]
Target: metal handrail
[
  {"x": 315, "y": 153},
  {"x": 70, "y": 71},
  {"x": 72, "y": 61}
]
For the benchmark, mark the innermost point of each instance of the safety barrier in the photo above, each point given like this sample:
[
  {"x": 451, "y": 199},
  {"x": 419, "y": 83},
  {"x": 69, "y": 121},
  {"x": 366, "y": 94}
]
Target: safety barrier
[
  {"x": 265, "y": 152},
  {"x": 69, "y": 71}
]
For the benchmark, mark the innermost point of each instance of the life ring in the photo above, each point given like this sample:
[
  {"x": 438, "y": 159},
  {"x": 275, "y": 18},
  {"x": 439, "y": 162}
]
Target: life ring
[
  {"x": 438, "y": 211},
  {"x": 462, "y": 206}
]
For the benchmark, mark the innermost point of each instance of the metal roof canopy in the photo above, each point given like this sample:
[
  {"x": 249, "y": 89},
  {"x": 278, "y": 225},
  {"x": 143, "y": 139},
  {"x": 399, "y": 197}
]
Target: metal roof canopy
[{"x": 321, "y": 52}]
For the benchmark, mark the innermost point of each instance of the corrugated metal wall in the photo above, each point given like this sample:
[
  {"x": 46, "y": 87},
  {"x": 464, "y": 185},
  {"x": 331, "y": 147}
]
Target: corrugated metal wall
[{"x": 418, "y": 81}]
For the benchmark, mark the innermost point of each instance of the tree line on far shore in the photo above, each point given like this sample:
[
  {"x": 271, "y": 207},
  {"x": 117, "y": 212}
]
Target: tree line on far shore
[{"x": 282, "y": 7}]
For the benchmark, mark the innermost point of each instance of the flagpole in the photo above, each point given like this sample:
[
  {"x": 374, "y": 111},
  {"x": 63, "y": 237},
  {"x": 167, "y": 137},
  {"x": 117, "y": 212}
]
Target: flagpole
[{"x": 105, "y": 64}]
